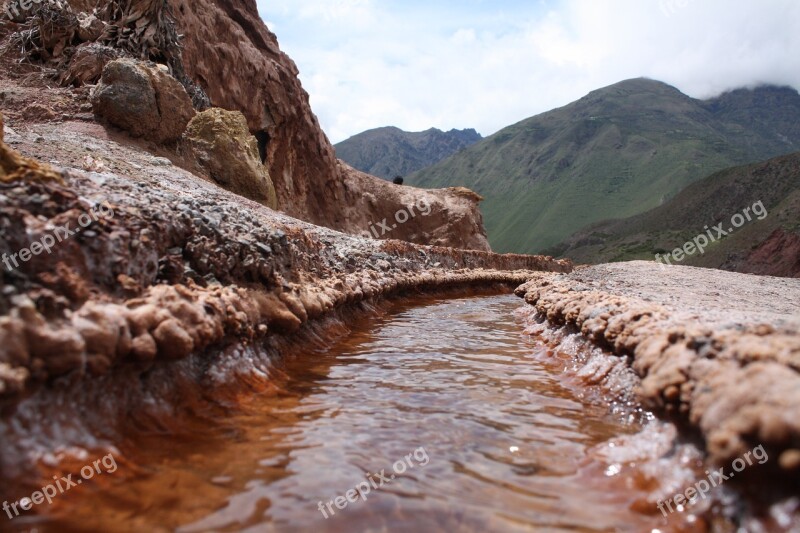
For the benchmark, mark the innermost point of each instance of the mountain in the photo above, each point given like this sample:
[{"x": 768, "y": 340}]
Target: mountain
[
  {"x": 389, "y": 152},
  {"x": 615, "y": 153},
  {"x": 768, "y": 243}
]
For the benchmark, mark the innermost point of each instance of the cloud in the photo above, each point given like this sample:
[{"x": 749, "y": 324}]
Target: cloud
[{"x": 483, "y": 64}]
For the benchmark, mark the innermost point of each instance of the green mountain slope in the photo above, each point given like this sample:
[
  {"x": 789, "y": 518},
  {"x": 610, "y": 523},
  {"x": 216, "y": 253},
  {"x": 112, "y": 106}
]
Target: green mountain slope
[
  {"x": 614, "y": 153},
  {"x": 714, "y": 200},
  {"x": 389, "y": 152}
]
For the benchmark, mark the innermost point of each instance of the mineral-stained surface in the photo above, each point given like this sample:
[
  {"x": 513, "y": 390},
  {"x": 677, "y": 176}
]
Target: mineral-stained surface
[
  {"x": 121, "y": 264},
  {"x": 130, "y": 259},
  {"x": 719, "y": 350}
]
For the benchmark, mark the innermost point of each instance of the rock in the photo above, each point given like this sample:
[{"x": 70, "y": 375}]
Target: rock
[
  {"x": 222, "y": 145},
  {"x": 444, "y": 217},
  {"x": 144, "y": 347},
  {"x": 14, "y": 167},
  {"x": 11, "y": 136},
  {"x": 172, "y": 340},
  {"x": 38, "y": 112},
  {"x": 87, "y": 63},
  {"x": 90, "y": 28},
  {"x": 143, "y": 100}
]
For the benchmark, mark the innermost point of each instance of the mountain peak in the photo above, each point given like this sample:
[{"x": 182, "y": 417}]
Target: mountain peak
[
  {"x": 389, "y": 151},
  {"x": 636, "y": 86},
  {"x": 616, "y": 152}
]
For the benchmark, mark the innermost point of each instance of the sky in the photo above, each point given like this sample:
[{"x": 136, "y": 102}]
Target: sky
[{"x": 485, "y": 64}]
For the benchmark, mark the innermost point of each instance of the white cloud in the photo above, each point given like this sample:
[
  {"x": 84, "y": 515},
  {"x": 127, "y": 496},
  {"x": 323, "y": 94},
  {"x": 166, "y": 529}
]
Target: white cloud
[{"x": 481, "y": 64}]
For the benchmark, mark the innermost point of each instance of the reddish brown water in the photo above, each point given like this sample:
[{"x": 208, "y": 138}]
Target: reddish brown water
[{"x": 447, "y": 390}]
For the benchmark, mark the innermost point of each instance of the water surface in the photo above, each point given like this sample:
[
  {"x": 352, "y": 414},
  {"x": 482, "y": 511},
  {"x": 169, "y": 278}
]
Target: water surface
[{"x": 449, "y": 391}]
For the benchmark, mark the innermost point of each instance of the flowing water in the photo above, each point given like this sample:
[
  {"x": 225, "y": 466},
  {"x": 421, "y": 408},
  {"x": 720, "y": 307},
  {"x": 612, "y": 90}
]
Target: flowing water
[{"x": 433, "y": 417}]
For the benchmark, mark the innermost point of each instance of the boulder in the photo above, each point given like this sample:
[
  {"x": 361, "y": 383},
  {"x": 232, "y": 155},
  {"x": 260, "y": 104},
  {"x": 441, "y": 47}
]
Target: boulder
[
  {"x": 223, "y": 146},
  {"x": 87, "y": 63},
  {"x": 143, "y": 100}
]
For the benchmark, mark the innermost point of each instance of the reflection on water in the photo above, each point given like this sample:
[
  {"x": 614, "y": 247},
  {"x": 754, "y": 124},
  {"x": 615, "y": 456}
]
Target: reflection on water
[{"x": 500, "y": 444}]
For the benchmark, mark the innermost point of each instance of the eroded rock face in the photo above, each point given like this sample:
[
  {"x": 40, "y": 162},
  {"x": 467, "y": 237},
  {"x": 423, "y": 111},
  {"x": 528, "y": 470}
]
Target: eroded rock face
[
  {"x": 143, "y": 100},
  {"x": 221, "y": 143},
  {"x": 230, "y": 52},
  {"x": 441, "y": 217}
]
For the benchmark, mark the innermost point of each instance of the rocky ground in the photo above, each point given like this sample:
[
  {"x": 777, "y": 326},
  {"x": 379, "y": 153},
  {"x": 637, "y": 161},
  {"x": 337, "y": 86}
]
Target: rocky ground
[
  {"x": 174, "y": 264},
  {"x": 127, "y": 254},
  {"x": 718, "y": 350},
  {"x": 715, "y": 354}
]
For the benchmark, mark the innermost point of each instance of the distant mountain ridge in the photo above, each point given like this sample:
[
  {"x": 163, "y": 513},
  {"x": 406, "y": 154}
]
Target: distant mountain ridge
[
  {"x": 769, "y": 246},
  {"x": 388, "y": 152},
  {"x": 614, "y": 153}
]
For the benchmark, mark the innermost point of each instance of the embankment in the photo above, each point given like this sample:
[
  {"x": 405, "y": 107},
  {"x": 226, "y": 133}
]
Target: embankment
[{"x": 719, "y": 351}]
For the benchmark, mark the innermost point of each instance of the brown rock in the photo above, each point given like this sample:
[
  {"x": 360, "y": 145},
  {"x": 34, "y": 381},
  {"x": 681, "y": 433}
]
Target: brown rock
[
  {"x": 173, "y": 341},
  {"x": 87, "y": 63},
  {"x": 222, "y": 145},
  {"x": 383, "y": 210},
  {"x": 144, "y": 347},
  {"x": 143, "y": 100}
]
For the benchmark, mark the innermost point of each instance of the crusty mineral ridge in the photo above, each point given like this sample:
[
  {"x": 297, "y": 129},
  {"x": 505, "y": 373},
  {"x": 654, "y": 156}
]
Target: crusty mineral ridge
[
  {"x": 720, "y": 349},
  {"x": 175, "y": 265}
]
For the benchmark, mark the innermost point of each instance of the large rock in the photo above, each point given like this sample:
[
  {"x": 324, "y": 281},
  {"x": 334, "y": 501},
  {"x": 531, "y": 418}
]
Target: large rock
[
  {"x": 439, "y": 217},
  {"x": 87, "y": 63},
  {"x": 221, "y": 143},
  {"x": 143, "y": 100}
]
